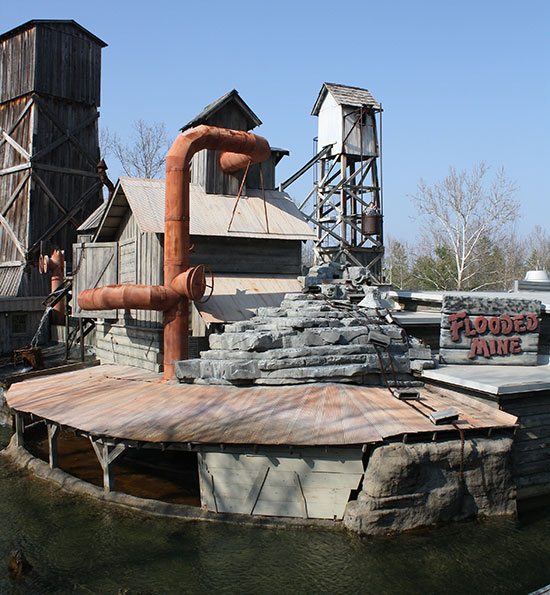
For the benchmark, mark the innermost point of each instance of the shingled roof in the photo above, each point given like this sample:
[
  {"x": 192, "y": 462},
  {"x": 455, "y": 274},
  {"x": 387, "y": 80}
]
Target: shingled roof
[
  {"x": 344, "y": 95},
  {"x": 215, "y": 106}
]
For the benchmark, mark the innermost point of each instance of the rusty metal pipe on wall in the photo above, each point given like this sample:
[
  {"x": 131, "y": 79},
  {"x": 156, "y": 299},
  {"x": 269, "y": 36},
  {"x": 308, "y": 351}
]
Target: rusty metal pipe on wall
[
  {"x": 238, "y": 148},
  {"x": 55, "y": 264}
]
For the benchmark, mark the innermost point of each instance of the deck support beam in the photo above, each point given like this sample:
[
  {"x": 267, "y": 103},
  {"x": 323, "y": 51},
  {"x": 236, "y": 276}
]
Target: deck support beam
[
  {"x": 107, "y": 455},
  {"x": 19, "y": 430},
  {"x": 53, "y": 431}
]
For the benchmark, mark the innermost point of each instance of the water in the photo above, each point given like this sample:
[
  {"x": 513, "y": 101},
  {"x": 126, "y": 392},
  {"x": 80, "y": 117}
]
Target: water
[
  {"x": 36, "y": 338},
  {"x": 77, "y": 545}
]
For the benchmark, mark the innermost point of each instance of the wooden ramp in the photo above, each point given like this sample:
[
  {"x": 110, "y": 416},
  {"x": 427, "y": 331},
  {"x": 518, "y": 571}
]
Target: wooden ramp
[{"x": 130, "y": 404}]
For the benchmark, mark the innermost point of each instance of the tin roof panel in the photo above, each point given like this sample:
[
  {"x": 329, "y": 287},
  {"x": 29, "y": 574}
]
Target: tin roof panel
[
  {"x": 211, "y": 213},
  {"x": 235, "y": 297},
  {"x": 11, "y": 275}
]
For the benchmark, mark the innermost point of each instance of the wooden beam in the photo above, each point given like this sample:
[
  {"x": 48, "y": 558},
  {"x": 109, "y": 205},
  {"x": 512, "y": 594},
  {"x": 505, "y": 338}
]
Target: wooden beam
[
  {"x": 42, "y": 106},
  {"x": 19, "y": 118},
  {"x": 14, "y": 169},
  {"x": 19, "y": 429},
  {"x": 63, "y": 139},
  {"x": 106, "y": 457},
  {"x": 15, "y": 194},
  {"x": 14, "y": 144},
  {"x": 12, "y": 236},
  {"x": 256, "y": 489},
  {"x": 51, "y": 196},
  {"x": 65, "y": 170},
  {"x": 53, "y": 430},
  {"x": 54, "y": 228},
  {"x": 298, "y": 485}
]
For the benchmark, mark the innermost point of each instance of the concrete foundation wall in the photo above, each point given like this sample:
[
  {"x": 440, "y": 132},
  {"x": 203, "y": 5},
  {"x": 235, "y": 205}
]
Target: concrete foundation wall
[{"x": 413, "y": 485}]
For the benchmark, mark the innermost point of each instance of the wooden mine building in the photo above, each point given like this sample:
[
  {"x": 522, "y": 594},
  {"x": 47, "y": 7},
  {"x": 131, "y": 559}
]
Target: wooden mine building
[{"x": 49, "y": 98}]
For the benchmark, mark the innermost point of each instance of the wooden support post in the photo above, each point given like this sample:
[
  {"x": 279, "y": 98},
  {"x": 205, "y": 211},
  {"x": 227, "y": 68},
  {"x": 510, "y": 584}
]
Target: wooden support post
[
  {"x": 19, "y": 430},
  {"x": 53, "y": 430},
  {"x": 81, "y": 333},
  {"x": 105, "y": 458}
]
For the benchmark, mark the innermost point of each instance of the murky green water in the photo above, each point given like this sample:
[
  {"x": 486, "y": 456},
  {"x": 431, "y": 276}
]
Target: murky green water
[{"x": 81, "y": 546}]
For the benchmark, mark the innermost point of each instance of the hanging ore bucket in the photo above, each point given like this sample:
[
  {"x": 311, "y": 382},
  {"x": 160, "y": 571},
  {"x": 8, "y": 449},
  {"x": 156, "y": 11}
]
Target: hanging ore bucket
[{"x": 371, "y": 223}]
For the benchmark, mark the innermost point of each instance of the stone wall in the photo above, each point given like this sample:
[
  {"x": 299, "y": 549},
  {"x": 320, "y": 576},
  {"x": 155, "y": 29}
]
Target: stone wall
[{"x": 414, "y": 485}]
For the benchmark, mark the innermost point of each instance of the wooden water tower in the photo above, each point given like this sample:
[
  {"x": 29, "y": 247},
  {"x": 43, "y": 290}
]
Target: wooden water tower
[
  {"x": 347, "y": 211},
  {"x": 49, "y": 98}
]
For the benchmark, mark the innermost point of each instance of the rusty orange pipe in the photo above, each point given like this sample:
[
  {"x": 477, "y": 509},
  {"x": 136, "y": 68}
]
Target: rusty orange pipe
[
  {"x": 128, "y": 296},
  {"x": 55, "y": 264},
  {"x": 238, "y": 148}
]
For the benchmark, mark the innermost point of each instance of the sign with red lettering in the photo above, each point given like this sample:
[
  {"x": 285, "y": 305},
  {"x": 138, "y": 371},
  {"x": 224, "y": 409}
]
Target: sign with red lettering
[{"x": 489, "y": 330}]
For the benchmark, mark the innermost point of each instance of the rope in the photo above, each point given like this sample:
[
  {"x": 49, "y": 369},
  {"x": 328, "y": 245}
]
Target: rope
[
  {"x": 238, "y": 195},
  {"x": 263, "y": 195}
]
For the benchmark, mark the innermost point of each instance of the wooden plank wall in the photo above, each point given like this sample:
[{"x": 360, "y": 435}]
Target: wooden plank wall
[
  {"x": 67, "y": 186},
  {"x": 72, "y": 70},
  {"x": 531, "y": 448},
  {"x": 96, "y": 265},
  {"x": 248, "y": 255},
  {"x": 17, "y": 65},
  {"x": 276, "y": 483},
  {"x": 18, "y": 213},
  {"x": 71, "y": 52}
]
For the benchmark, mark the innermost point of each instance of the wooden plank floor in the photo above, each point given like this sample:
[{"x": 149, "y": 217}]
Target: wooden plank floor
[{"x": 133, "y": 404}]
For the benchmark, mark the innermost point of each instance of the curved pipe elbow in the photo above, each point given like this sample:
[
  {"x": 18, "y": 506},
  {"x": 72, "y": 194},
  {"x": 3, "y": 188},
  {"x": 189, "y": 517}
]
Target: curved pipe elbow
[{"x": 238, "y": 147}]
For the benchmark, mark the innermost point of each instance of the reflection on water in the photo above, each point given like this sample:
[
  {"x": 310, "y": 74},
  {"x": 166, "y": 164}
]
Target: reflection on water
[{"x": 77, "y": 545}]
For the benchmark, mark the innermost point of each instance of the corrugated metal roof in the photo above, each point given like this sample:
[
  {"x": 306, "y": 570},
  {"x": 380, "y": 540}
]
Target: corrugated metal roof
[
  {"x": 344, "y": 95},
  {"x": 213, "y": 107},
  {"x": 211, "y": 213},
  {"x": 10, "y": 278},
  {"x": 132, "y": 404},
  {"x": 236, "y": 296},
  {"x": 94, "y": 219}
]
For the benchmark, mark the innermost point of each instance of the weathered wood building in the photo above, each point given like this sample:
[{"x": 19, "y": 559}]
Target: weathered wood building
[
  {"x": 49, "y": 98},
  {"x": 255, "y": 260}
]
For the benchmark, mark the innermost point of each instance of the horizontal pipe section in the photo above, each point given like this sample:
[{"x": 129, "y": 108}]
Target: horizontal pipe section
[{"x": 129, "y": 297}]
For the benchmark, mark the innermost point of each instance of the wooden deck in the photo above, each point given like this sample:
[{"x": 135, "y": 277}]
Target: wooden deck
[{"x": 132, "y": 404}]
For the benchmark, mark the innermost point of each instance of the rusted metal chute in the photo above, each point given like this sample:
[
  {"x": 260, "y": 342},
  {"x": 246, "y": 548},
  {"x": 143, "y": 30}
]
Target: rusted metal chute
[
  {"x": 181, "y": 283},
  {"x": 55, "y": 264}
]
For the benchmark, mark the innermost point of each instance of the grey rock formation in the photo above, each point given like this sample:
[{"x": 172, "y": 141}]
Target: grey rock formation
[
  {"x": 414, "y": 485},
  {"x": 307, "y": 339}
]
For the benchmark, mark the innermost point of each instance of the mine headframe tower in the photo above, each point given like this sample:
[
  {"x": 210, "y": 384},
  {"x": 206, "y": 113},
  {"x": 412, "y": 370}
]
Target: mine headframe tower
[{"x": 345, "y": 204}]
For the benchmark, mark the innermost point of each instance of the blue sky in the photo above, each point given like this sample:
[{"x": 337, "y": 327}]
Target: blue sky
[{"x": 460, "y": 82}]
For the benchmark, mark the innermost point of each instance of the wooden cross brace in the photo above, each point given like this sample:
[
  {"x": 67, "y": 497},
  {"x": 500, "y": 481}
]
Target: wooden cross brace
[{"x": 106, "y": 455}]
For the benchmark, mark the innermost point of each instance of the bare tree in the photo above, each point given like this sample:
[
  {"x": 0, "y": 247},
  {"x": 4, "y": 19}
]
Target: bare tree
[
  {"x": 538, "y": 246},
  {"x": 468, "y": 215},
  {"x": 144, "y": 156}
]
